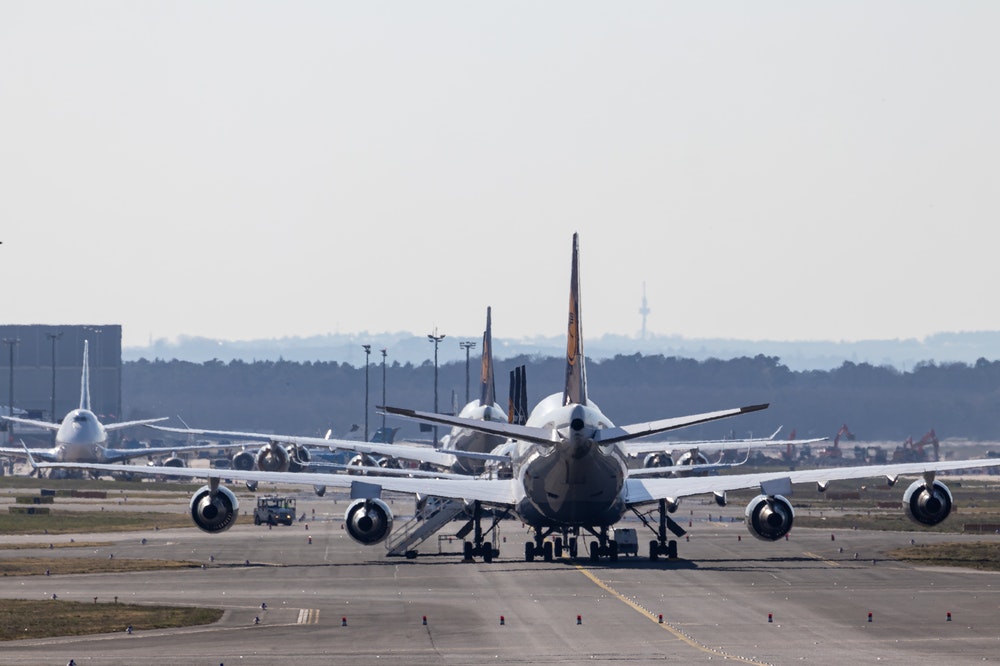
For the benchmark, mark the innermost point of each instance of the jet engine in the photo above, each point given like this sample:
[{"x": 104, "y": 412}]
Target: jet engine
[
  {"x": 214, "y": 512},
  {"x": 769, "y": 518},
  {"x": 927, "y": 506},
  {"x": 368, "y": 521},
  {"x": 298, "y": 458},
  {"x": 662, "y": 459},
  {"x": 692, "y": 458},
  {"x": 243, "y": 461},
  {"x": 174, "y": 461},
  {"x": 272, "y": 457}
]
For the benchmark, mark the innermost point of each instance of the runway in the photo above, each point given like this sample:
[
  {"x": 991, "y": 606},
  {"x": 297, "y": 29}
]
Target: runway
[{"x": 334, "y": 601}]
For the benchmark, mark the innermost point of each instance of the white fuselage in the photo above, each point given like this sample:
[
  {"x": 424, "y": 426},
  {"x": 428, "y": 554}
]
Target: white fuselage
[
  {"x": 576, "y": 481},
  {"x": 464, "y": 439},
  {"x": 81, "y": 438}
]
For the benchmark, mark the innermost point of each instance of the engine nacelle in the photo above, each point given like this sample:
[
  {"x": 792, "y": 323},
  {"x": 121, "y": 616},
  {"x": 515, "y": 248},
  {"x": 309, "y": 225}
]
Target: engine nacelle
[
  {"x": 243, "y": 461},
  {"x": 214, "y": 513},
  {"x": 769, "y": 518},
  {"x": 298, "y": 458},
  {"x": 272, "y": 457},
  {"x": 927, "y": 506},
  {"x": 692, "y": 458},
  {"x": 657, "y": 460},
  {"x": 368, "y": 521},
  {"x": 174, "y": 461}
]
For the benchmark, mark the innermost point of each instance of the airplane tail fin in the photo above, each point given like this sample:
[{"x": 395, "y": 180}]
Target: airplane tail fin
[
  {"x": 517, "y": 401},
  {"x": 488, "y": 393},
  {"x": 576, "y": 371},
  {"x": 85, "y": 380}
]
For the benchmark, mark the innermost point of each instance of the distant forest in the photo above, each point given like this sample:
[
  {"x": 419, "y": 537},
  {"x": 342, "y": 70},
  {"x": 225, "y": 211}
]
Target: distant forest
[{"x": 957, "y": 400}]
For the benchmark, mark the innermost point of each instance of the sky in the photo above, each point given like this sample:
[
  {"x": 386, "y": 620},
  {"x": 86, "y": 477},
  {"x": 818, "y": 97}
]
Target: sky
[{"x": 244, "y": 170}]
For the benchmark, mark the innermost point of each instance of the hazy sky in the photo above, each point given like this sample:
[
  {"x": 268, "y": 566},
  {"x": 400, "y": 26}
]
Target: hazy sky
[{"x": 770, "y": 170}]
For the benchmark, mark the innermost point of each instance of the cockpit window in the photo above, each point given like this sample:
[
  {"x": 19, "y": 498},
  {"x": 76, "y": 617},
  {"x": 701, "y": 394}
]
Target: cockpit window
[{"x": 80, "y": 418}]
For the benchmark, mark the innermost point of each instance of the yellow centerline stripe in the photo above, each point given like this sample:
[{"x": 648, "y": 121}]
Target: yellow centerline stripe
[
  {"x": 678, "y": 634},
  {"x": 821, "y": 559}
]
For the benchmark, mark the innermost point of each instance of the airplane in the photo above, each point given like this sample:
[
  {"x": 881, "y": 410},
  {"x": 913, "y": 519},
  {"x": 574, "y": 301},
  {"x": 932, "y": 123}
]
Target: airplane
[
  {"x": 81, "y": 437},
  {"x": 485, "y": 451},
  {"x": 570, "y": 477}
]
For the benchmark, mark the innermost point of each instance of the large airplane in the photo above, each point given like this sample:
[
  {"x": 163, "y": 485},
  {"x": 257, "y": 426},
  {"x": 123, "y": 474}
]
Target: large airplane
[
  {"x": 463, "y": 450},
  {"x": 570, "y": 476},
  {"x": 81, "y": 437}
]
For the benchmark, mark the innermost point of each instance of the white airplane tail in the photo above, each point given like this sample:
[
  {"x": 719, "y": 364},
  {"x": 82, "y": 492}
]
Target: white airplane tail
[
  {"x": 488, "y": 393},
  {"x": 575, "y": 392},
  {"x": 85, "y": 380}
]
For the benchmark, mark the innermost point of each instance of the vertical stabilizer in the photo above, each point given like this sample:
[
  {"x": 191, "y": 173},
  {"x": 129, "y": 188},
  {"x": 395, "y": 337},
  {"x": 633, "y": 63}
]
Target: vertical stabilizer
[
  {"x": 576, "y": 371},
  {"x": 85, "y": 380},
  {"x": 488, "y": 392}
]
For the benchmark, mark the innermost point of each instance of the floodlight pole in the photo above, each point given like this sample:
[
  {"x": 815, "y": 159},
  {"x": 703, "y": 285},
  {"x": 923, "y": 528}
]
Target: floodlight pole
[{"x": 436, "y": 339}]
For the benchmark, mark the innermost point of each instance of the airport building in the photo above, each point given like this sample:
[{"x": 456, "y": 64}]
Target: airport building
[{"x": 47, "y": 361}]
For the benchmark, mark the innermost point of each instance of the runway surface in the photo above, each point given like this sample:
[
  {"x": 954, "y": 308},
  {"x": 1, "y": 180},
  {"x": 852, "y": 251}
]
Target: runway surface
[{"x": 334, "y": 601}]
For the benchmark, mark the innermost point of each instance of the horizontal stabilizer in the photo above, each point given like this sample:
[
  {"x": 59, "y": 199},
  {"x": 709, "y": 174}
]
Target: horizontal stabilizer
[{"x": 624, "y": 433}]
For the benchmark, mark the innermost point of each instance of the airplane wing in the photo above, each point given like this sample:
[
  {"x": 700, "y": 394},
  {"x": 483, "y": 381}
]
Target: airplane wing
[
  {"x": 38, "y": 454},
  {"x": 687, "y": 470},
  {"x": 639, "y": 491},
  {"x": 546, "y": 436},
  {"x": 31, "y": 422},
  {"x": 710, "y": 445},
  {"x": 128, "y": 424},
  {"x": 499, "y": 492},
  {"x": 444, "y": 458},
  {"x": 118, "y": 455}
]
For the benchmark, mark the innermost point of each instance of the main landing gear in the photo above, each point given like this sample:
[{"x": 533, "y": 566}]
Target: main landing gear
[
  {"x": 568, "y": 540},
  {"x": 549, "y": 550},
  {"x": 661, "y": 545},
  {"x": 480, "y": 546}
]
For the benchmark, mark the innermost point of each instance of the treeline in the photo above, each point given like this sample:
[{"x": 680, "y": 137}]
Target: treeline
[{"x": 957, "y": 400}]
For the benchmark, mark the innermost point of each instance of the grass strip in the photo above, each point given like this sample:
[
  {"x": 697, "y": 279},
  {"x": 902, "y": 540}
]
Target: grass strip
[
  {"x": 37, "y": 566},
  {"x": 974, "y": 555},
  {"x": 20, "y": 619}
]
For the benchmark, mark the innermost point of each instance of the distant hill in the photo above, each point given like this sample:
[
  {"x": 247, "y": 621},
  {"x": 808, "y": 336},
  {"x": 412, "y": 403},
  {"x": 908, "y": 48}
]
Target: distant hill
[{"x": 405, "y": 347}]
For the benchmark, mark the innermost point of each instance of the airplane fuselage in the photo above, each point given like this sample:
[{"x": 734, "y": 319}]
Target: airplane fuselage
[
  {"x": 464, "y": 439},
  {"x": 81, "y": 438},
  {"x": 575, "y": 481}
]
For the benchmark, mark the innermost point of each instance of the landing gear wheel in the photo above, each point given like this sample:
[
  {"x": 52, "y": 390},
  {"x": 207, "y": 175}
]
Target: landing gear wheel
[
  {"x": 595, "y": 551},
  {"x": 557, "y": 549},
  {"x": 467, "y": 550},
  {"x": 613, "y": 550},
  {"x": 672, "y": 549},
  {"x": 654, "y": 550},
  {"x": 529, "y": 552},
  {"x": 547, "y": 551},
  {"x": 572, "y": 547},
  {"x": 487, "y": 553}
]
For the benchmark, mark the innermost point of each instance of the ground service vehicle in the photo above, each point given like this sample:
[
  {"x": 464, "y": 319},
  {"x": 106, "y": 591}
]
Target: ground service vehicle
[
  {"x": 627, "y": 540},
  {"x": 274, "y": 510}
]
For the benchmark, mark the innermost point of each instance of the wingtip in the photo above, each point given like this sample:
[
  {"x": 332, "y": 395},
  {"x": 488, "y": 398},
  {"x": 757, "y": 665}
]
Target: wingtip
[
  {"x": 27, "y": 452},
  {"x": 754, "y": 408}
]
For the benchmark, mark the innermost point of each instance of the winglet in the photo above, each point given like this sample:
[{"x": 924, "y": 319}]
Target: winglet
[
  {"x": 85, "y": 380},
  {"x": 575, "y": 392},
  {"x": 488, "y": 393},
  {"x": 31, "y": 458}
]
